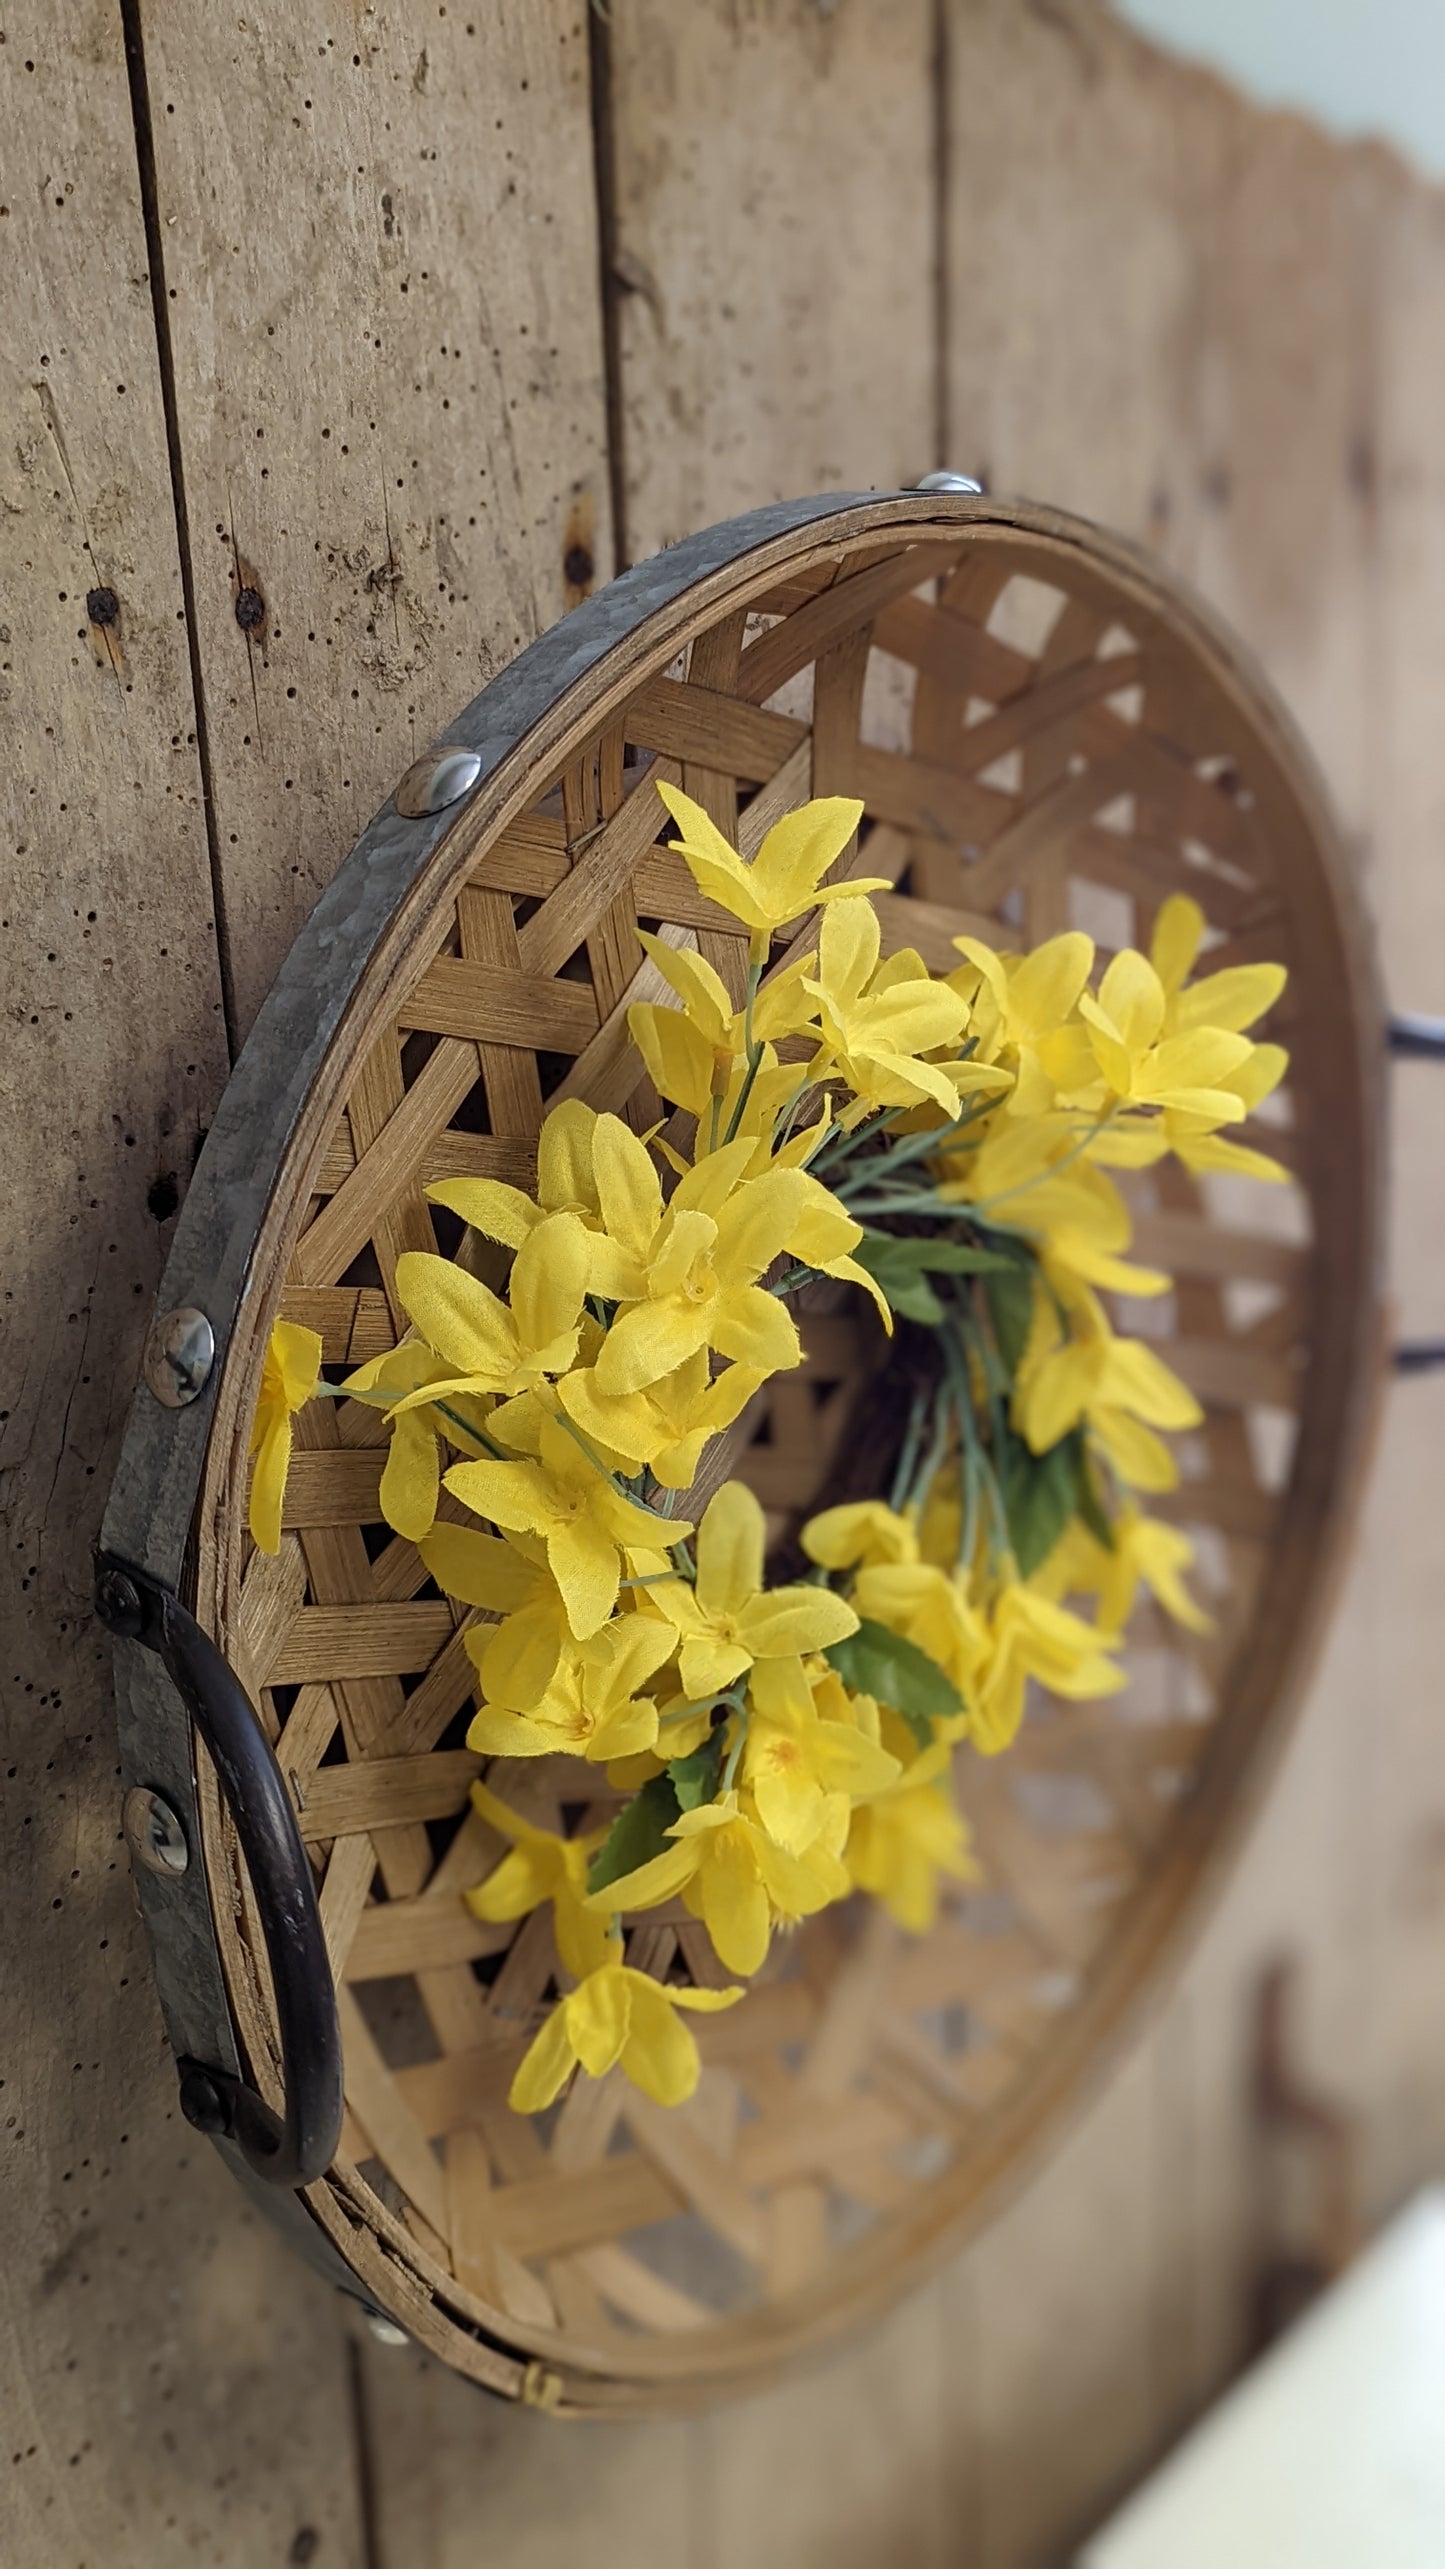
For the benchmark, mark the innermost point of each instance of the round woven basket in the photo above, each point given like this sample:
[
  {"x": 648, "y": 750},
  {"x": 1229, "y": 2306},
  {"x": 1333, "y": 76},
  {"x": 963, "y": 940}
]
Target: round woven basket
[{"x": 1045, "y": 731}]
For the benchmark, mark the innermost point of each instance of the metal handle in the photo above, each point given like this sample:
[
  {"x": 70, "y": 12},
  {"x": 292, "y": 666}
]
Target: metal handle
[
  {"x": 1417, "y": 1039},
  {"x": 294, "y": 2149}
]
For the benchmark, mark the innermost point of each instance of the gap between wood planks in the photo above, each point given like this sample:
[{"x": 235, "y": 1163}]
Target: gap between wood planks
[{"x": 140, "y": 106}]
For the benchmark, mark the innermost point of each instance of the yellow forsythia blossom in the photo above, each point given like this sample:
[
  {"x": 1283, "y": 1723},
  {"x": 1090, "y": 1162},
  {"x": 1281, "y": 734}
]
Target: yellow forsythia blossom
[
  {"x": 289, "y": 1376},
  {"x": 953, "y": 1145}
]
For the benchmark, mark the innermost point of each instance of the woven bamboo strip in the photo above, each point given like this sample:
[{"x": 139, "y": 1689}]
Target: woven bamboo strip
[{"x": 1078, "y": 769}]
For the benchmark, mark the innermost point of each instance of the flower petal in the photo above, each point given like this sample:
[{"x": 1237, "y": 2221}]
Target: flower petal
[
  {"x": 544, "y": 2067},
  {"x": 730, "y": 1545}
]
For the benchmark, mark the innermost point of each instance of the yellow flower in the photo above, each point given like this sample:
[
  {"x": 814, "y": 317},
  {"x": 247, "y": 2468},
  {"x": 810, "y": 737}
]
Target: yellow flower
[
  {"x": 1033, "y": 1637},
  {"x": 590, "y": 1706},
  {"x": 824, "y": 1236},
  {"x": 289, "y": 1376},
  {"x": 921, "y": 1601},
  {"x": 1140, "y": 1065},
  {"x": 1118, "y": 1385},
  {"x": 863, "y": 1531},
  {"x": 584, "y": 1522},
  {"x": 666, "y": 1426},
  {"x": 1154, "y": 1553},
  {"x": 565, "y": 1183},
  {"x": 785, "y": 878},
  {"x": 617, "y": 2014},
  {"x": 902, "y": 1840},
  {"x": 688, "y": 1277},
  {"x": 411, "y": 1474},
  {"x": 493, "y": 1346},
  {"x": 731, "y": 1622},
  {"x": 734, "y": 1876},
  {"x": 516, "y": 1658},
  {"x": 877, "y": 1021},
  {"x": 542, "y": 1867},
  {"x": 1030, "y": 998},
  {"x": 1233, "y": 998},
  {"x": 796, "y": 1761}
]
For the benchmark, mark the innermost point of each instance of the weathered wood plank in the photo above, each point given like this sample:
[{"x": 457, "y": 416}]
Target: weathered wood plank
[
  {"x": 167, "y": 2366},
  {"x": 387, "y": 227},
  {"x": 776, "y": 334}
]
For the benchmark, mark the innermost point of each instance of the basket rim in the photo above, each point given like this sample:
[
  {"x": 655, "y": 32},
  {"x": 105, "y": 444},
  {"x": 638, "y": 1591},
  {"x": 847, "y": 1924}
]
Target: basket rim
[{"x": 228, "y": 1228}]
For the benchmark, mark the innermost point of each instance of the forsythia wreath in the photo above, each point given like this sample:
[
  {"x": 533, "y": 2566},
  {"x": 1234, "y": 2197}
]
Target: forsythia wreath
[{"x": 942, "y": 1145}]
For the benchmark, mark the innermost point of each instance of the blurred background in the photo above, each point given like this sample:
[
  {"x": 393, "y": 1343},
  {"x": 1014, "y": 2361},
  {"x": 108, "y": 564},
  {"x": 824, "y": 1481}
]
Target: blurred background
[{"x": 417, "y": 324}]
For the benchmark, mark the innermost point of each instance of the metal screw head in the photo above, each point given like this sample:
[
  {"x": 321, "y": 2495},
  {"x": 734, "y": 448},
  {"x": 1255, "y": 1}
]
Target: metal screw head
[
  {"x": 153, "y": 1833},
  {"x": 950, "y": 482},
  {"x": 386, "y": 2331},
  {"x": 201, "y": 2101},
  {"x": 180, "y": 1352},
  {"x": 441, "y": 777},
  {"x": 118, "y": 1604}
]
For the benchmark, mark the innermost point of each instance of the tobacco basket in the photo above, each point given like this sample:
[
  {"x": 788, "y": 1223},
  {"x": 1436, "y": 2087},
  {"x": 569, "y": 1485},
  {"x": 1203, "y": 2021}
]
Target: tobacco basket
[{"x": 1045, "y": 730}]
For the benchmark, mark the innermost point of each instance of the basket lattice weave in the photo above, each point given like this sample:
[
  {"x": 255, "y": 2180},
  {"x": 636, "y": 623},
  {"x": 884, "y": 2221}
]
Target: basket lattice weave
[{"x": 1043, "y": 735}]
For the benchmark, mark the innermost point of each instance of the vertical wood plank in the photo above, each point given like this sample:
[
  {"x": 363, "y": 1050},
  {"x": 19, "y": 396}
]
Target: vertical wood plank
[
  {"x": 382, "y": 280},
  {"x": 166, "y": 2366},
  {"x": 775, "y": 254},
  {"x": 1215, "y": 329}
]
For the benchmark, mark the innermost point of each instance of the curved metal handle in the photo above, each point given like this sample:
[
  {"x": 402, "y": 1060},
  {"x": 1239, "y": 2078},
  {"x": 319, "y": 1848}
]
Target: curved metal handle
[
  {"x": 294, "y": 2149},
  {"x": 1417, "y": 1038}
]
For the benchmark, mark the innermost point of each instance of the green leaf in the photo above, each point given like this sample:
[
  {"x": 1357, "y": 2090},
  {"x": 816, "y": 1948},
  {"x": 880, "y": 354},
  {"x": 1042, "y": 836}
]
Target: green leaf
[
  {"x": 695, "y": 1778},
  {"x": 877, "y": 1662},
  {"x": 881, "y": 1251},
  {"x": 915, "y": 1300},
  {"x": 1090, "y": 1505},
  {"x": 638, "y": 1833},
  {"x": 1040, "y": 1494},
  {"x": 1011, "y": 1309}
]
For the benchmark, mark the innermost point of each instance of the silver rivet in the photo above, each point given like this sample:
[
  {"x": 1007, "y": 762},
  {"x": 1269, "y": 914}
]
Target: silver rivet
[
  {"x": 386, "y": 2331},
  {"x": 442, "y": 777},
  {"x": 180, "y": 1352},
  {"x": 950, "y": 482},
  {"x": 153, "y": 1833}
]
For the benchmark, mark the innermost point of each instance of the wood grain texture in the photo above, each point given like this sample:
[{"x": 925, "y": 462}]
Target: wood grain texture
[
  {"x": 1204, "y": 324},
  {"x": 383, "y": 276},
  {"x": 1221, "y": 332},
  {"x": 774, "y": 253},
  {"x": 153, "y": 2329}
]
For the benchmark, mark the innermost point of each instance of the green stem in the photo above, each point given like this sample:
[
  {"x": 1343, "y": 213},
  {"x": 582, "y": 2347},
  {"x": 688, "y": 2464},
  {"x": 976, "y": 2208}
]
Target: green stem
[
  {"x": 754, "y": 1053},
  {"x": 794, "y": 1280},
  {"x": 735, "y": 1751},
  {"x": 476, "y": 1433},
  {"x": 575, "y": 1432},
  {"x": 1056, "y": 1168},
  {"x": 908, "y": 1454}
]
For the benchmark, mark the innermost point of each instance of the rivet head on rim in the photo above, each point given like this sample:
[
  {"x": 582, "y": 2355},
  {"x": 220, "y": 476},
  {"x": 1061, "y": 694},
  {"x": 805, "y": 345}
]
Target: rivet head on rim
[
  {"x": 180, "y": 1352},
  {"x": 950, "y": 482},
  {"x": 442, "y": 777},
  {"x": 153, "y": 1833}
]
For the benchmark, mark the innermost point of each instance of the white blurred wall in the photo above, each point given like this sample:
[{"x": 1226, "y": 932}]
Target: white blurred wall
[{"x": 1358, "y": 66}]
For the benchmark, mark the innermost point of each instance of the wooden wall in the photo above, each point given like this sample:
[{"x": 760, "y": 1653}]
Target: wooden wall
[{"x": 408, "y": 323}]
